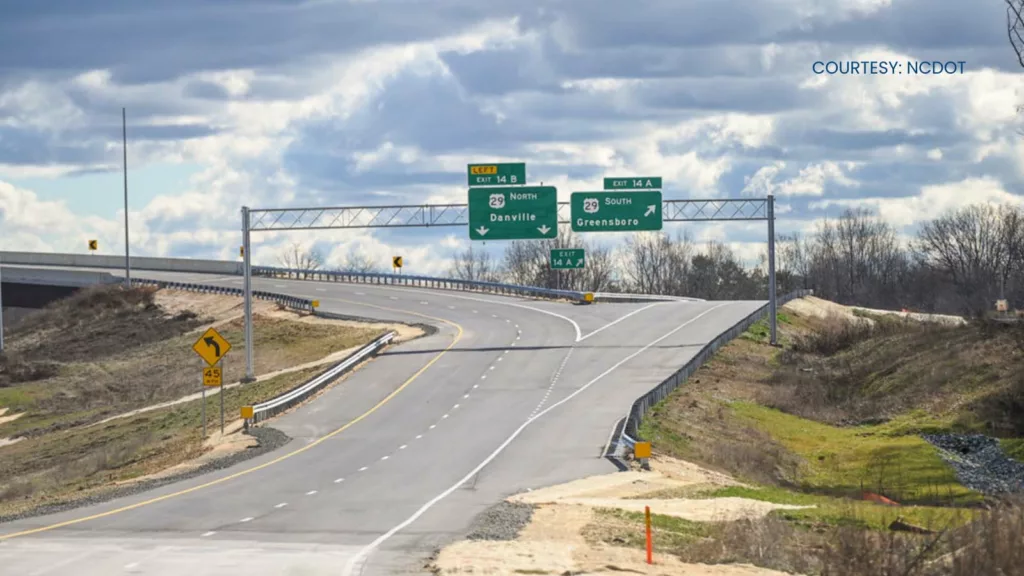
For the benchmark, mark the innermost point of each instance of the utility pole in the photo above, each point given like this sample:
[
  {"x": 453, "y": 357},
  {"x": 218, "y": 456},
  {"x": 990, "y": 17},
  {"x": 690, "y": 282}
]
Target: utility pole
[
  {"x": 772, "y": 310},
  {"x": 124, "y": 142},
  {"x": 1, "y": 305}
]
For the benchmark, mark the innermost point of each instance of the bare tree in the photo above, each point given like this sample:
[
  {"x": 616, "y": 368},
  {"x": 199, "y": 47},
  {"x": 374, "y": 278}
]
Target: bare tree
[
  {"x": 599, "y": 274},
  {"x": 1015, "y": 27},
  {"x": 654, "y": 264},
  {"x": 296, "y": 257},
  {"x": 977, "y": 249},
  {"x": 474, "y": 265},
  {"x": 360, "y": 263}
]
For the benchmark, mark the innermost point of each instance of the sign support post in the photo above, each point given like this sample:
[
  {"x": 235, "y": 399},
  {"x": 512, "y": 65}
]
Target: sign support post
[
  {"x": 221, "y": 365},
  {"x": 203, "y": 383}
]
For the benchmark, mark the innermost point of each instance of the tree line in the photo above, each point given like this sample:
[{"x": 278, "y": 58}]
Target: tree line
[{"x": 959, "y": 263}]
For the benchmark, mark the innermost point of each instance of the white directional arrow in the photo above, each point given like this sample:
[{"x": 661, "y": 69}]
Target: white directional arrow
[
  {"x": 579, "y": 262},
  {"x": 544, "y": 229},
  {"x": 651, "y": 209},
  {"x": 482, "y": 231}
]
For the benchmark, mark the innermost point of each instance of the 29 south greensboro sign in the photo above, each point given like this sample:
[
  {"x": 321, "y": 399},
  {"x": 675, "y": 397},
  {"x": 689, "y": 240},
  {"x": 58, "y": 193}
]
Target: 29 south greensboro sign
[{"x": 615, "y": 211}]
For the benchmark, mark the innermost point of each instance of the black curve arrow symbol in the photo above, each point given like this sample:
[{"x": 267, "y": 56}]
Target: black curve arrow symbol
[{"x": 211, "y": 342}]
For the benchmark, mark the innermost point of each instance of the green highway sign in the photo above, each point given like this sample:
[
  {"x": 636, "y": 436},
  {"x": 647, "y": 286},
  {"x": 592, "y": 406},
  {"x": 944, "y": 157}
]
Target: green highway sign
[
  {"x": 615, "y": 211},
  {"x": 520, "y": 213},
  {"x": 633, "y": 183},
  {"x": 572, "y": 259},
  {"x": 497, "y": 174}
]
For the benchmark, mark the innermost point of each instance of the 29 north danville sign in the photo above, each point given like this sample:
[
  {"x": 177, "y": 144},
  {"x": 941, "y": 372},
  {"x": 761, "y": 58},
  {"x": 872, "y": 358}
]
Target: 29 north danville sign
[
  {"x": 520, "y": 213},
  {"x": 615, "y": 211}
]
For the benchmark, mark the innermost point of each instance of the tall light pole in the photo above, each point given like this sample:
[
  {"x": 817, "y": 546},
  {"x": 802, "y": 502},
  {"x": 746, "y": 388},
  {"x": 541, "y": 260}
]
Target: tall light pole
[
  {"x": 124, "y": 143},
  {"x": 1, "y": 305}
]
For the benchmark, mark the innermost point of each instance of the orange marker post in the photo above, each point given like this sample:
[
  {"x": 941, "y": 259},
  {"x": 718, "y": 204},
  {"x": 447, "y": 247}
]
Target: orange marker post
[{"x": 650, "y": 547}]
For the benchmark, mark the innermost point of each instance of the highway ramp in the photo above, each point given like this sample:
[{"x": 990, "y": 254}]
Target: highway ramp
[{"x": 509, "y": 394}]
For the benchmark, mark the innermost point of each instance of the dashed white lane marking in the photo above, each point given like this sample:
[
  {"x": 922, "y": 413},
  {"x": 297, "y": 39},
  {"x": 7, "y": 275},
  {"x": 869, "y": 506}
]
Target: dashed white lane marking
[
  {"x": 281, "y": 505},
  {"x": 418, "y": 436},
  {"x": 243, "y": 520},
  {"x": 432, "y": 426},
  {"x": 499, "y": 358},
  {"x": 424, "y": 302},
  {"x": 311, "y": 492},
  {"x": 339, "y": 480},
  {"x": 554, "y": 380},
  {"x": 210, "y": 533},
  {"x": 363, "y": 469},
  {"x": 393, "y": 298},
  {"x": 476, "y": 386},
  {"x": 321, "y": 289},
  {"x": 360, "y": 293},
  {"x": 483, "y": 376},
  {"x": 279, "y": 286},
  {"x": 358, "y": 558},
  {"x": 491, "y": 368},
  {"x": 456, "y": 407},
  {"x": 451, "y": 307},
  {"x": 442, "y": 418},
  {"x": 494, "y": 315},
  {"x": 131, "y": 566},
  {"x": 403, "y": 446},
  {"x": 467, "y": 395},
  {"x": 517, "y": 325},
  {"x": 505, "y": 352},
  {"x": 385, "y": 457},
  {"x": 475, "y": 312}
]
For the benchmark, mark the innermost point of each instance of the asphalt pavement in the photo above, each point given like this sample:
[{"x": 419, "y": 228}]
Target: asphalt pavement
[{"x": 398, "y": 458}]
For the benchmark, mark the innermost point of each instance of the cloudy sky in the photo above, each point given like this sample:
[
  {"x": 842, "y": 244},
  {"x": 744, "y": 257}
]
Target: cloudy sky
[{"x": 273, "y": 103}]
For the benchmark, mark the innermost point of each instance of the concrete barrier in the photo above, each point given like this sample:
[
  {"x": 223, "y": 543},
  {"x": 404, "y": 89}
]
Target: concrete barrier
[
  {"x": 43, "y": 277},
  {"x": 108, "y": 262}
]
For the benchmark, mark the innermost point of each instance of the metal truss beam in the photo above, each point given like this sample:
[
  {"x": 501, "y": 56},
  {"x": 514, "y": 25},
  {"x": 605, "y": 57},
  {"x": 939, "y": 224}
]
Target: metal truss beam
[{"x": 430, "y": 215}]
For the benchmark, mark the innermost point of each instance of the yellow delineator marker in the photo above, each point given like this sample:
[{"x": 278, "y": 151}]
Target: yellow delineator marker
[
  {"x": 211, "y": 346},
  {"x": 94, "y": 244},
  {"x": 642, "y": 450},
  {"x": 247, "y": 412},
  {"x": 588, "y": 297},
  {"x": 316, "y": 303},
  {"x": 396, "y": 262}
]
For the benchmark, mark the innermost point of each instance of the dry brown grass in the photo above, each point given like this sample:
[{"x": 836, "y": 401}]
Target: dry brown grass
[{"x": 993, "y": 544}]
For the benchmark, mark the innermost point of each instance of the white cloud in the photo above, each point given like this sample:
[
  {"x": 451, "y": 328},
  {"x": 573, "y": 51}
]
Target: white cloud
[{"x": 933, "y": 201}]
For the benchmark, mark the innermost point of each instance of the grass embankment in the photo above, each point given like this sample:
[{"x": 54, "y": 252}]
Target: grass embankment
[
  {"x": 106, "y": 352},
  {"x": 835, "y": 415}
]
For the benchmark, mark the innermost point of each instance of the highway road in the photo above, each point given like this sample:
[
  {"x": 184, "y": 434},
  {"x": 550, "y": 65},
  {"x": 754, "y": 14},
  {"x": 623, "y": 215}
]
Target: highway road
[{"x": 509, "y": 394}]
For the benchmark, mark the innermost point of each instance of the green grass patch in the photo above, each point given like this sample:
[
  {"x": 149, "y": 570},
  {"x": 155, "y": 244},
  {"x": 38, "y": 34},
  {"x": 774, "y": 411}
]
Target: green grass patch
[
  {"x": 883, "y": 459},
  {"x": 1014, "y": 448},
  {"x": 667, "y": 532}
]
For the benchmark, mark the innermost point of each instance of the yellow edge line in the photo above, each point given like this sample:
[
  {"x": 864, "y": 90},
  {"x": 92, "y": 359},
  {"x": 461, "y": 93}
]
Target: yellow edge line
[{"x": 283, "y": 457}]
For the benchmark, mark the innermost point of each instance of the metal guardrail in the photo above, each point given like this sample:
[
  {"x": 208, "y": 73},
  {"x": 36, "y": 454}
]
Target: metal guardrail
[
  {"x": 303, "y": 304},
  {"x": 627, "y": 431},
  {"x": 274, "y": 406},
  {"x": 454, "y": 284}
]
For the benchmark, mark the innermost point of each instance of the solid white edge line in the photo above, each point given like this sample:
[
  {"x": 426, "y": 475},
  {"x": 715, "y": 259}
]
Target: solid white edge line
[{"x": 362, "y": 554}]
